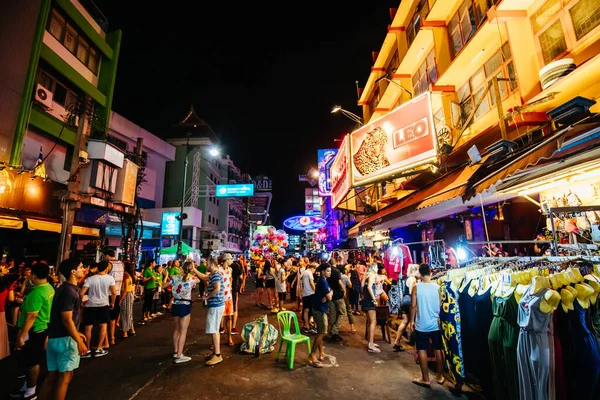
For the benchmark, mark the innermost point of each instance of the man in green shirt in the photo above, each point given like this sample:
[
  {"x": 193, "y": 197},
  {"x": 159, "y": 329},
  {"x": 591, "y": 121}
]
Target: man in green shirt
[
  {"x": 33, "y": 328},
  {"x": 171, "y": 270},
  {"x": 201, "y": 284}
]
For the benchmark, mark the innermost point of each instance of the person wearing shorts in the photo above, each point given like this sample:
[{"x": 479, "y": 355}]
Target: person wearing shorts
[
  {"x": 65, "y": 343},
  {"x": 182, "y": 285},
  {"x": 216, "y": 308},
  {"x": 102, "y": 293},
  {"x": 308, "y": 291},
  {"x": 323, "y": 295},
  {"x": 424, "y": 321},
  {"x": 32, "y": 337}
]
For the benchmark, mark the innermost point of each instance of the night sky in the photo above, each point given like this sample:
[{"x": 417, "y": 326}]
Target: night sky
[{"x": 263, "y": 76}]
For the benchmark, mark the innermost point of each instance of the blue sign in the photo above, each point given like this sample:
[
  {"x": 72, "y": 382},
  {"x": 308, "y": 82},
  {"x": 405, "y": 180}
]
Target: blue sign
[
  {"x": 304, "y": 223},
  {"x": 115, "y": 230},
  {"x": 170, "y": 224},
  {"x": 236, "y": 190},
  {"x": 325, "y": 158}
]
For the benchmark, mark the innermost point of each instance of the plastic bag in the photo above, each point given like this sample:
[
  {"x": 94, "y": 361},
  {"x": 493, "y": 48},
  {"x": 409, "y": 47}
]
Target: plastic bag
[{"x": 259, "y": 337}]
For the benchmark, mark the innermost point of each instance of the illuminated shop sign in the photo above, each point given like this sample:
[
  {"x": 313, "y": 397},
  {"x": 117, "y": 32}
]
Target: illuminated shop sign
[
  {"x": 398, "y": 141},
  {"x": 170, "y": 224},
  {"x": 325, "y": 158},
  {"x": 236, "y": 190},
  {"x": 304, "y": 223},
  {"x": 340, "y": 174}
]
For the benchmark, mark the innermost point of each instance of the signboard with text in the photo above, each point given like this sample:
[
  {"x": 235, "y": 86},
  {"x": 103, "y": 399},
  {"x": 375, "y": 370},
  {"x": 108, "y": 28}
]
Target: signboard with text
[
  {"x": 170, "y": 224},
  {"x": 235, "y": 190},
  {"x": 400, "y": 140},
  {"x": 340, "y": 174},
  {"x": 262, "y": 183},
  {"x": 325, "y": 158}
]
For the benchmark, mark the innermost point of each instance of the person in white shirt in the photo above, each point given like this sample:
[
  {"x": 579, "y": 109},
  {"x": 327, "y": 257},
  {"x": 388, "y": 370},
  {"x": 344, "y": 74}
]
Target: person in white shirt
[
  {"x": 308, "y": 294},
  {"x": 102, "y": 293},
  {"x": 280, "y": 283}
]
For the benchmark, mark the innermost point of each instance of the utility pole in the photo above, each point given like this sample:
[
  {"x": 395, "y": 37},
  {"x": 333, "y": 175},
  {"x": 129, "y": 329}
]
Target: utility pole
[
  {"x": 70, "y": 201},
  {"x": 130, "y": 221},
  {"x": 182, "y": 215}
]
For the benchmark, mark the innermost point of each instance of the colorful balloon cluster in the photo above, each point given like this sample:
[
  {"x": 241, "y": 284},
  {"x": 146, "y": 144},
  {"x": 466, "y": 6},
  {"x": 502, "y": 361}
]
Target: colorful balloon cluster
[{"x": 268, "y": 242}]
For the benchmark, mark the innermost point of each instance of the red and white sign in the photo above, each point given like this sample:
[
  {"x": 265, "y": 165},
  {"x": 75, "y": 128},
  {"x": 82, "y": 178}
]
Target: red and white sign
[
  {"x": 398, "y": 141},
  {"x": 340, "y": 174}
]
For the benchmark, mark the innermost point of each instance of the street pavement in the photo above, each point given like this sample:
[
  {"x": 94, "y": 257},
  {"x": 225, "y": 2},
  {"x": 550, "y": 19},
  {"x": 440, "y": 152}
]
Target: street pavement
[{"x": 141, "y": 367}]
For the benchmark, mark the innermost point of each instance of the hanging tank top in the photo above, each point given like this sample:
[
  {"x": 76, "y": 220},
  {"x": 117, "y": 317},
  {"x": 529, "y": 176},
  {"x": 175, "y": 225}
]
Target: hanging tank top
[{"x": 531, "y": 317}]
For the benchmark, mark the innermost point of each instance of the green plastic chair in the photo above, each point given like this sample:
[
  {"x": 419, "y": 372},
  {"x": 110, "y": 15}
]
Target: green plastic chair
[{"x": 284, "y": 320}]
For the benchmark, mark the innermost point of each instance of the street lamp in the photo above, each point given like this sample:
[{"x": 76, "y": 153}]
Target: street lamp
[
  {"x": 385, "y": 78},
  {"x": 348, "y": 114},
  {"x": 214, "y": 152}
]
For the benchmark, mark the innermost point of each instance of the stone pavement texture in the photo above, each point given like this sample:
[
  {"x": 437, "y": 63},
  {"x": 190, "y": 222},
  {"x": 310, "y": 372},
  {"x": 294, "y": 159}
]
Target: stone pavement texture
[{"x": 140, "y": 367}]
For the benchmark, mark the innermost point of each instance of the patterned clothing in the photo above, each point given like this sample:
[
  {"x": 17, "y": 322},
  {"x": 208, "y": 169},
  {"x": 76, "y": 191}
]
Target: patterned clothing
[
  {"x": 127, "y": 312},
  {"x": 451, "y": 331},
  {"x": 226, "y": 272},
  {"x": 217, "y": 300},
  {"x": 182, "y": 289},
  {"x": 394, "y": 296}
]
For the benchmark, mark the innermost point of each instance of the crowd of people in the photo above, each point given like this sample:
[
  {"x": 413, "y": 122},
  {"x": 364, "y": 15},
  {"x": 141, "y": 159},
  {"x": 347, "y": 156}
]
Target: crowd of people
[{"x": 73, "y": 312}]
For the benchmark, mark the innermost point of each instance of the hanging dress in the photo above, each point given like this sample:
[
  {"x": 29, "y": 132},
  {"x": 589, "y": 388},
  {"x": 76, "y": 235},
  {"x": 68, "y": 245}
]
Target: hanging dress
[
  {"x": 502, "y": 340},
  {"x": 451, "y": 331},
  {"x": 476, "y": 318},
  {"x": 580, "y": 353},
  {"x": 533, "y": 348}
]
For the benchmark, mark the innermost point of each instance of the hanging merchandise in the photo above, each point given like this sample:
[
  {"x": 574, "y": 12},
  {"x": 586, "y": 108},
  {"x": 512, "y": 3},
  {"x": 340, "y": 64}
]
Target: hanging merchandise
[
  {"x": 268, "y": 243},
  {"x": 524, "y": 328}
]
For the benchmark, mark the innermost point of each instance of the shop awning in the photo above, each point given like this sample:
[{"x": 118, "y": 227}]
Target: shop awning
[
  {"x": 9, "y": 222},
  {"x": 446, "y": 187},
  {"x": 530, "y": 158},
  {"x": 41, "y": 225},
  {"x": 185, "y": 250},
  {"x": 50, "y": 226}
]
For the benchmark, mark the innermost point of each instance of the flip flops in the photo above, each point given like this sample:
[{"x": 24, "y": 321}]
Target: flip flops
[
  {"x": 442, "y": 381},
  {"x": 419, "y": 382},
  {"x": 315, "y": 364}
]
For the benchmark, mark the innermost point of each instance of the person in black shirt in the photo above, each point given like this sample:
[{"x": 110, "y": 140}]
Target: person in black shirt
[
  {"x": 237, "y": 278},
  {"x": 337, "y": 304},
  {"x": 65, "y": 343}
]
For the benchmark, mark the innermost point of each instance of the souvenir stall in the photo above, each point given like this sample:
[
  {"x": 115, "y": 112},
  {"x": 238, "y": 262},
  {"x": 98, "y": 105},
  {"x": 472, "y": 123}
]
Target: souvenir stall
[{"x": 523, "y": 328}]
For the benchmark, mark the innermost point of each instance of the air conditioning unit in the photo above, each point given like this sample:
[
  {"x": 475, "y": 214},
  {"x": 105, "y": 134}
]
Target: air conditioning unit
[
  {"x": 43, "y": 96},
  {"x": 556, "y": 70}
]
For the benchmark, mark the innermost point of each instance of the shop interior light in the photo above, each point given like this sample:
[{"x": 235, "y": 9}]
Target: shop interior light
[
  {"x": 461, "y": 253},
  {"x": 558, "y": 182}
]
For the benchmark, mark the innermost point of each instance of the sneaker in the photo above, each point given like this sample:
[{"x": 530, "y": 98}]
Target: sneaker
[
  {"x": 313, "y": 331},
  {"x": 17, "y": 395},
  {"x": 30, "y": 397},
  {"x": 100, "y": 353},
  {"x": 159, "y": 313},
  {"x": 153, "y": 315},
  {"x": 222, "y": 331},
  {"x": 183, "y": 359},
  {"x": 86, "y": 355},
  {"x": 235, "y": 331},
  {"x": 214, "y": 360},
  {"x": 283, "y": 309},
  {"x": 174, "y": 355}
]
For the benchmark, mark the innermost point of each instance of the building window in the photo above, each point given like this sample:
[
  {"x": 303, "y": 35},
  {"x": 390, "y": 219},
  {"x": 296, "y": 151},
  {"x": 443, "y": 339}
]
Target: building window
[
  {"x": 559, "y": 24},
  {"x": 463, "y": 25},
  {"x": 66, "y": 33},
  {"x": 414, "y": 26},
  {"x": 374, "y": 101},
  {"x": 500, "y": 65},
  {"x": 425, "y": 75},
  {"x": 60, "y": 93}
]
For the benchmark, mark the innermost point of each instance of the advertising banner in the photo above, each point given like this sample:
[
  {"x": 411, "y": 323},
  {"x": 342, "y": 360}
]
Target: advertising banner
[
  {"x": 340, "y": 174},
  {"x": 235, "y": 190},
  {"x": 398, "y": 141},
  {"x": 170, "y": 224},
  {"x": 325, "y": 158}
]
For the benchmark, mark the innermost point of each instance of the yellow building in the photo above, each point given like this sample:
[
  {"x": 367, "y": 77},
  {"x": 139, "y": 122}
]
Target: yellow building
[{"x": 543, "y": 53}]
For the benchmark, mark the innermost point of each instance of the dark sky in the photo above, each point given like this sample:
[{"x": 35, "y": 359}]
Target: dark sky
[{"x": 263, "y": 76}]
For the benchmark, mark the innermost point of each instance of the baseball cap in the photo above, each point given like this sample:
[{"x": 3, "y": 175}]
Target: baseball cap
[{"x": 227, "y": 257}]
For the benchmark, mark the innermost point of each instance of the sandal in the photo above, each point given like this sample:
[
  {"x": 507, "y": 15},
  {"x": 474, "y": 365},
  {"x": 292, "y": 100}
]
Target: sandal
[
  {"x": 231, "y": 344},
  {"x": 442, "y": 381},
  {"x": 316, "y": 364},
  {"x": 419, "y": 382}
]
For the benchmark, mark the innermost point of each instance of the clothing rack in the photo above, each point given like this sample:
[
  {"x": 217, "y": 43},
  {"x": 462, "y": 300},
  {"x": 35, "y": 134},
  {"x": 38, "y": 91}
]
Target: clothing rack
[
  {"x": 426, "y": 242},
  {"x": 565, "y": 210}
]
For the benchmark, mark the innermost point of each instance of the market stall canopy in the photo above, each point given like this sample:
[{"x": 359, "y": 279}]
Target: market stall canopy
[{"x": 185, "y": 250}]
